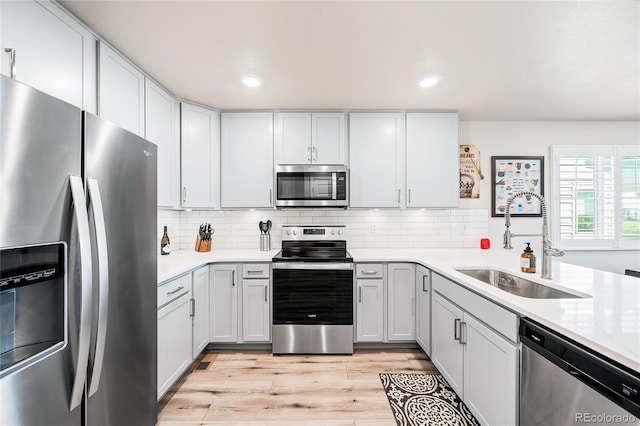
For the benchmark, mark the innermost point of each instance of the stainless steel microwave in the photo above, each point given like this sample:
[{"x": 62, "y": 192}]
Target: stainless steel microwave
[{"x": 312, "y": 186}]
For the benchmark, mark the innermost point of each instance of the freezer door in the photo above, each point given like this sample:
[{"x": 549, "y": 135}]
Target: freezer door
[
  {"x": 122, "y": 168},
  {"x": 39, "y": 149}
]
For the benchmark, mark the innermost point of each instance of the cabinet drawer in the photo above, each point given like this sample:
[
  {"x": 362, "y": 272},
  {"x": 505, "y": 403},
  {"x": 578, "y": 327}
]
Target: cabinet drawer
[
  {"x": 500, "y": 319},
  {"x": 174, "y": 289},
  {"x": 369, "y": 270},
  {"x": 255, "y": 270}
]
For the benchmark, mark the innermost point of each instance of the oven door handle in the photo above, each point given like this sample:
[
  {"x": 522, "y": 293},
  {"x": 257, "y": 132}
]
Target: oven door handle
[{"x": 313, "y": 266}]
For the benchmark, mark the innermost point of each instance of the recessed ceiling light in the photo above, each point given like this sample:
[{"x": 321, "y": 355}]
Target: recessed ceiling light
[
  {"x": 429, "y": 81},
  {"x": 252, "y": 81}
]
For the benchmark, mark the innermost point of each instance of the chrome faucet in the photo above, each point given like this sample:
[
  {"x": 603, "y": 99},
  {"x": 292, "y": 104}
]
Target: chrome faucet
[{"x": 547, "y": 250}]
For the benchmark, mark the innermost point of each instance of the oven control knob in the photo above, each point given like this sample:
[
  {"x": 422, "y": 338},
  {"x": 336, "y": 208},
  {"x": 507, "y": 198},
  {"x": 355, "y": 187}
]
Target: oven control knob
[
  {"x": 288, "y": 232},
  {"x": 333, "y": 232},
  {"x": 295, "y": 232},
  {"x": 340, "y": 232}
]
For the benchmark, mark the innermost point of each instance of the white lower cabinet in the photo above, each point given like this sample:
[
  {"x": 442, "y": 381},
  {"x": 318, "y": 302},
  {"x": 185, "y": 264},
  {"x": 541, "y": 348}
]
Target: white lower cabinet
[
  {"x": 223, "y": 304},
  {"x": 369, "y": 310},
  {"x": 174, "y": 331},
  {"x": 490, "y": 362},
  {"x": 401, "y": 309},
  {"x": 423, "y": 308},
  {"x": 447, "y": 352},
  {"x": 480, "y": 365},
  {"x": 256, "y": 326},
  {"x": 200, "y": 310},
  {"x": 240, "y": 303}
]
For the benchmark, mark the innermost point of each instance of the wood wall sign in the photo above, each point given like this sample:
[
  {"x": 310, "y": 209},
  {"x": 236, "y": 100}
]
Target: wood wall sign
[
  {"x": 511, "y": 175},
  {"x": 470, "y": 173}
]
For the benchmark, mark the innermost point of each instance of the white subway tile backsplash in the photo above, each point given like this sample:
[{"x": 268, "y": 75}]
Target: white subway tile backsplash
[{"x": 367, "y": 228}]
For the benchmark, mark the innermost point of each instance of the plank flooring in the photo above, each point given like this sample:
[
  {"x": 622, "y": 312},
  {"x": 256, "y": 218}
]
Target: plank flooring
[{"x": 257, "y": 388}]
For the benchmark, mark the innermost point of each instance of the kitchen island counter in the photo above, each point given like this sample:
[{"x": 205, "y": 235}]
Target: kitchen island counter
[{"x": 607, "y": 320}]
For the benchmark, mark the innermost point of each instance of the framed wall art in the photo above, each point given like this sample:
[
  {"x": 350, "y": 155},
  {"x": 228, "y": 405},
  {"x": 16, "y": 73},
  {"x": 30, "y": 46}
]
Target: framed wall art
[{"x": 511, "y": 175}]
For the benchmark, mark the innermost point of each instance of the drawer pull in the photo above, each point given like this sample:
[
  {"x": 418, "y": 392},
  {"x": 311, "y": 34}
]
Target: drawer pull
[
  {"x": 369, "y": 272},
  {"x": 255, "y": 272},
  {"x": 169, "y": 293}
]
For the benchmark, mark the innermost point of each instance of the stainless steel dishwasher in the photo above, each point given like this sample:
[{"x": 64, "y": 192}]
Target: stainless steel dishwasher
[{"x": 563, "y": 383}]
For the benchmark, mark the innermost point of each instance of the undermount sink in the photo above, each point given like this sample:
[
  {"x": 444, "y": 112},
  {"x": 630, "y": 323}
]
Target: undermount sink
[{"x": 516, "y": 285}]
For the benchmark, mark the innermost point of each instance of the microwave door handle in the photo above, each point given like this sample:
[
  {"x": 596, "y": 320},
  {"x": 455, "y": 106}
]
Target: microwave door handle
[
  {"x": 334, "y": 186},
  {"x": 95, "y": 201},
  {"x": 84, "y": 327}
]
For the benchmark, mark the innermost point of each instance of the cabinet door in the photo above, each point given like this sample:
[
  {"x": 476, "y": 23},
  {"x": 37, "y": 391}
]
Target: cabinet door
[
  {"x": 423, "y": 309},
  {"x": 446, "y": 350},
  {"x": 174, "y": 342},
  {"x": 376, "y": 159},
  {"x": 490, "y": 362},
  {"x": 401, "y": 293},
  {"x": 432, "y": 160},
  {"x": 200, "y": 311},
  {"x": 162, "y": 128},
  {"x": 53, "y": 52},
  {"x": 256, "y": 326},
  {"x": 223, "y": 303},
  {"x": 200, "y": 157},
  {"x": 120, "y": 91},
  {"x": 293, "y": 138},
  {"x": 369, "y": 310},
  {"x": 328, "y": 138},
  {"x": 247, "y": 160}
]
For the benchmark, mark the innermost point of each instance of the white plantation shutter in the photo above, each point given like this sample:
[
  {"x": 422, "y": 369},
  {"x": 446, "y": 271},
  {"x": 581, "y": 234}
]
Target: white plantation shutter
[
  {"x": 597, "y": 196},
  {"x": 630, "y": 194}
]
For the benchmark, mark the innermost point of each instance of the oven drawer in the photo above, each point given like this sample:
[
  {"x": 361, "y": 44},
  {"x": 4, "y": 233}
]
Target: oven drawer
[
  {"x": 369, "y": 270},
  {"x": 255, "y": 270}
]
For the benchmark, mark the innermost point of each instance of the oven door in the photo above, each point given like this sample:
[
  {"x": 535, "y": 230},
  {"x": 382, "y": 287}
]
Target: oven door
[{"x": 313, "y": 293}]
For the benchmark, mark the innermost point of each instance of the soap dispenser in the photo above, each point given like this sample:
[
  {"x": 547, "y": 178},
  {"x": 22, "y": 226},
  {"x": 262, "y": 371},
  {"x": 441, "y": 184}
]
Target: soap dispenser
[{"x": 528, "y": 260}]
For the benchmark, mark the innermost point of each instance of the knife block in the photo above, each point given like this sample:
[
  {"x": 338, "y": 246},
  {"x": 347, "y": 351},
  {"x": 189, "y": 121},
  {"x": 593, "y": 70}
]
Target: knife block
[{"x": 202, "y": 246}]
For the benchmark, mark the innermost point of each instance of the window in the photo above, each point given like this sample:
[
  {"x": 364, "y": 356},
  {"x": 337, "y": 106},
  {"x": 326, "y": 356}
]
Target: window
[{"x": 597, "y": 196}]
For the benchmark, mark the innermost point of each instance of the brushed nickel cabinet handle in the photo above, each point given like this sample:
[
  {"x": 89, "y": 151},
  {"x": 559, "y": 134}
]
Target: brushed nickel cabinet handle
[
  {"x": 398, "y": 196},
  {"x": 456, "y": 328},
  {"x": 184, "y": 194},
  {"x": 463, "y": 333},
  {"x": 424, "y": 284},
  {"x": 359, "y": 294},
  {"x": 408, "y": 196},
  {"x": 266, "y": 292}
]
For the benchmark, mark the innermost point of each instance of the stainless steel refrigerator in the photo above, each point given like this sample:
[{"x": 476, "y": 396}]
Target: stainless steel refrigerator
[{"x": 77, "y": 266}]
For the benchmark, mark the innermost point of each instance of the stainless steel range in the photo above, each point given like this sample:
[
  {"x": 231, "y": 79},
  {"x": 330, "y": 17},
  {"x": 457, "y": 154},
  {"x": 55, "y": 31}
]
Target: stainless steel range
[{"x": 313, "y": 292}]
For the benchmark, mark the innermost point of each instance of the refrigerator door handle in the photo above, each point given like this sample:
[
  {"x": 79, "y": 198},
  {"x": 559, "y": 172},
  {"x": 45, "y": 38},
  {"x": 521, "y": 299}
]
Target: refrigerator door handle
[
  {"x": 84, "y": 334},
  {"x": 95, "y": 201}
]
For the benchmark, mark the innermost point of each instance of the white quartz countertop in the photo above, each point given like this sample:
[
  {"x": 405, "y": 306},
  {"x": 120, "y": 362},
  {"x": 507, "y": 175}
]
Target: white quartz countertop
[{"x": 608, "y": 321}]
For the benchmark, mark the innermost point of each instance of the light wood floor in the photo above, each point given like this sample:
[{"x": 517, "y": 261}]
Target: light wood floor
[{"x": 257, "y": 388}]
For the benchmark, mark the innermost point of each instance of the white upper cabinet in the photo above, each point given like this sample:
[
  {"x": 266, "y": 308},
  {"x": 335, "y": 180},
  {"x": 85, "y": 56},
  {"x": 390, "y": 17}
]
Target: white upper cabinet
[
  {"x": 293, "y": 138},
  {"x": 200, "y": 148},
  {"x": 120, "y": 91},
  {"x": 328, "y": 137},
  {"x": 52, "y": 51},
  {"x": 376, "y": 158},
  {"x": 162, "y": 127},
  {"x": 432, "y": 160},
  {"x": 247, "y": 160},
  {"x": 310, "y": 138}
]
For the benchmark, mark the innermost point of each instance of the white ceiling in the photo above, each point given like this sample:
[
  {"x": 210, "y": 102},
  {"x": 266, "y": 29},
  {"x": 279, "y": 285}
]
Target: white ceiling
[{"x": 499, "y": 60}]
